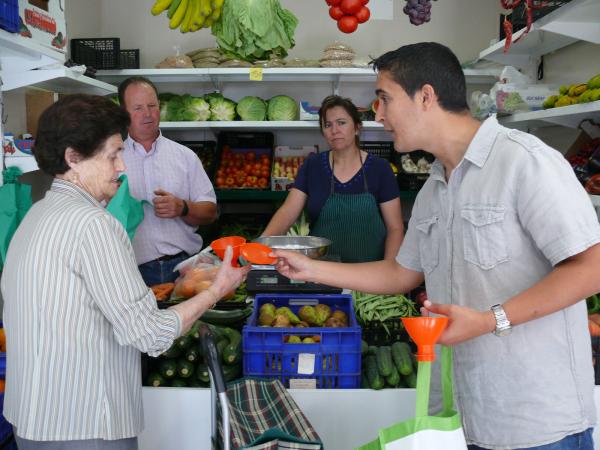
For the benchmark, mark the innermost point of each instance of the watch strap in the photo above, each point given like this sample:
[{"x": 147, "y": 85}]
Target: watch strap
[{"x": 185, "y": 210}]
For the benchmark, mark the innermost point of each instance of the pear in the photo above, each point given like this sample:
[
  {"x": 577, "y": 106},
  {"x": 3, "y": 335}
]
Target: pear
[
  {"x": 323, "y": 312},
  {"x": 294, "y": 320},
  {"x": 281, "y": 321},
  {"x": 308, "y": 314}
]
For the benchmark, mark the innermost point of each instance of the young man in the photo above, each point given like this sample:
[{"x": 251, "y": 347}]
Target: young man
[
  {"x": 507, "y": 242},
  {"x": 170, "y": 177}
]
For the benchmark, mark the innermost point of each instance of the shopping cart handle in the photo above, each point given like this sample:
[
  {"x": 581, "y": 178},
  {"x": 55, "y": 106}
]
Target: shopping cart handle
[{"x": 211, "y": 356}]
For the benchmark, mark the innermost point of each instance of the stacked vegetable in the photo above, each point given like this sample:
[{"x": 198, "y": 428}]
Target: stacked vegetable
[
  {"x": 388, "y": 366},
  {"x": 372, "y": 308},
  {"x": 183, "y": 364}
]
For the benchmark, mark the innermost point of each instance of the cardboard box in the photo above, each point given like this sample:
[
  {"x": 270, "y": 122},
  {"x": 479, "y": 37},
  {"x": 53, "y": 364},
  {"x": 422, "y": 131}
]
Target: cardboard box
[
  {"x": 308, "y": 111},
  {"x": 295, "y": 156},
  {"x": 512, "y": 98},
  {"x": 44, "y": 22},
  {"x": 17, "y": 152}
]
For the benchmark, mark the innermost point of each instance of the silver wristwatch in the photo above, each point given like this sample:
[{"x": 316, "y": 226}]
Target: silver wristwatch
[{"x": 503, "y": 326}]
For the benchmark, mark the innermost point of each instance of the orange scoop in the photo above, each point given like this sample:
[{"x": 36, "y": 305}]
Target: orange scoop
[
  {"x": 257, "y": 253},
  {"x": 425, "y": 331},
  {"x": 220, "y": 245}
]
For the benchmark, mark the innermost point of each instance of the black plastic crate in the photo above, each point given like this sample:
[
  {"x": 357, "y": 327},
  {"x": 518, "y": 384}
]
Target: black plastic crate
[
  {"x": 9, "y": 15},
  {"x": 596, "y": 358},
  {"x": 206, "y": 151},
  {"x": 383, "y": 149},
  {"x": 410, "y": 181},
  {"x": 100, "y": 53},
  {"x": 129, "y": 59},
  {"x": 384, "y": 333}
]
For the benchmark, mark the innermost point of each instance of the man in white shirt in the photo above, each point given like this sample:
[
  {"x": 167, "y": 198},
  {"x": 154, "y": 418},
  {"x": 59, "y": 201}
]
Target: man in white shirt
[
  {"x": 171, "y": 178},
  {"x": 506, "y": 240}
]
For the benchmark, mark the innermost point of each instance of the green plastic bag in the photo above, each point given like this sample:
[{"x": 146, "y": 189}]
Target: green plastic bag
[
  {"x": 128, "y": 210},
  {"x": 15, "y": 201},
  {"x": 426, "y": 432}
]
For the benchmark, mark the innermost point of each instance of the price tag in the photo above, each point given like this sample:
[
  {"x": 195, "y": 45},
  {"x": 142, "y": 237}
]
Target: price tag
[
  {"x": 256, "y": 73},
  {"x": 306, "y": 363},
  {"x": 303, "y": 383}
]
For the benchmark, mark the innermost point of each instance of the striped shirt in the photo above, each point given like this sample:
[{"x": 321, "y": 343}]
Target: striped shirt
[
  {"x": 77, "y": 314},
  {"x": 176, "y": 169}
]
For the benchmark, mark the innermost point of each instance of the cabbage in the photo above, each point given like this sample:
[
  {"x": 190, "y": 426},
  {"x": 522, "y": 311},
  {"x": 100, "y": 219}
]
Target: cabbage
[
  {"x": 169, "y": 109},
  {"x": 282, "y": 107},
  {"x": 252, "y": 108},
  {"x": 194, "y": 109}
]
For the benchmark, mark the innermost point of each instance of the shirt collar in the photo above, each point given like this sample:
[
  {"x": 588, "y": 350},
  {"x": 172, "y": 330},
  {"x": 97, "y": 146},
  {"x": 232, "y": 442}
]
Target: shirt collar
[
  {"x": 139, "y": 148},
  {"x": 480, "y": 147},
  {"x": 74, "y": 191}
]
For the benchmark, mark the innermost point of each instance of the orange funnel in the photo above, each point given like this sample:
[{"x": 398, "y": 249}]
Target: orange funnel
[
  {"x": 425, "y": 331},
  {"x": 220, "y": 245}
]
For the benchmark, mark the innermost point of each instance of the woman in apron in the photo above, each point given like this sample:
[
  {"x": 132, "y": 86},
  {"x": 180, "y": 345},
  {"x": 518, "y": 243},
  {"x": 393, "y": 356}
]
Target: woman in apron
[{"x": 351, "y": 196}]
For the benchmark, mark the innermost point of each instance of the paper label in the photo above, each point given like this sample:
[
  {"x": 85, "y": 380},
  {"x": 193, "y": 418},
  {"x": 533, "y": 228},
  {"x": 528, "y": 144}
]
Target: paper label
[
  {"x": 306, "y": 363},
  {"x": 256, "y": 73},
  {"x": 303, "y": 383}
]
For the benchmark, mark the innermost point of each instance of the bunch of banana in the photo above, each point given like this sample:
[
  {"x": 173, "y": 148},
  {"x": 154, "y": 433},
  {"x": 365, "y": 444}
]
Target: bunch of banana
[
  {"x": 189, "y": 15},
  {"x": 575, "y": 93}
]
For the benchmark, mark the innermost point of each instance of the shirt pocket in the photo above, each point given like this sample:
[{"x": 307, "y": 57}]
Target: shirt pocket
[
  {"x": 429, "y": 242},
  {"x": 484, "y": 238}
]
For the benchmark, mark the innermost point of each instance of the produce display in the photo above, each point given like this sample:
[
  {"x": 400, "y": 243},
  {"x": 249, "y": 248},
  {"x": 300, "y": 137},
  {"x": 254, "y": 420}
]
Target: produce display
[
  {"x": 586, "y": 165},
  {"x": 575, "y": 93},
  {"x": 287, "y": 166},
  {"x": 183, "y": 364},
  {"x": 379, "y": 308},
  {"x": 319, "y": 315},
  {"x": 189, "y": 15},
  {"x": 348, "y": 13},
  {"x": 243, "y": 168},
  {"x": 252, "y": 30},
  {"x": 392, "y": 366}
]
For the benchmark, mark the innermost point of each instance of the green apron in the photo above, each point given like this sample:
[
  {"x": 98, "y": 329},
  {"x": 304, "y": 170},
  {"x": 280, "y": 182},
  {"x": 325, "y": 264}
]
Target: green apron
[{"x": 353, "y": 223}]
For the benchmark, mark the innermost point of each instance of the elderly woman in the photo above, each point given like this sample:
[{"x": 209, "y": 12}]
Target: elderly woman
[
  {"x": 77, "y": 312},
  {"x": 351, "y": 196}
]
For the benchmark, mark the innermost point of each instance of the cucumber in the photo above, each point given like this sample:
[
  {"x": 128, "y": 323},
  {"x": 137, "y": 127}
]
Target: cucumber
[
  {"x": 194, "y": 332},
  {"x": 168, "y": 368},
  {"x": 373, "y": 377},
  {"x": 411, "y": 380},
  {"x": 178, "y": 382},
  {"x": 172, "y": 352},
  {"x": 232, "y": 372},
  {"x": 364, "y": 347},
  {"x": 393, "y": 379},
  {"x": 232, "y": 353},
  {"x": 372, "y": 350},
  {"x": 185, "y": 369},
  {"x": 402, "y": 357},
  {"x": 155, "y": 380},
  {"x": 384, "y": 360},
  {"x": 193, "y": 354},
  {"x": 221, "y": 344},
  {"x": 202, "y": 373},
  {"x": 220, "y": 317},
  {"x": 183, "y": 342}
]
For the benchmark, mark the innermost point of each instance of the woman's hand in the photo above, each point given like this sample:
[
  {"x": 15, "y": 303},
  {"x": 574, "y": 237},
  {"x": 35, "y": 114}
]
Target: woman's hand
[
  {"x": 463, "y": 323},
  {"x": 293, "y": 265},
  {"x": 228, "y": 278}
]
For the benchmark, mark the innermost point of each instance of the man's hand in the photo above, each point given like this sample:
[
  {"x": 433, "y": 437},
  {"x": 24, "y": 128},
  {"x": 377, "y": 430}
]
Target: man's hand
[
  {"x": 293, "y": 265},
  {"x": 463, "y": 323},
  {"x": 166, "y": 205}
]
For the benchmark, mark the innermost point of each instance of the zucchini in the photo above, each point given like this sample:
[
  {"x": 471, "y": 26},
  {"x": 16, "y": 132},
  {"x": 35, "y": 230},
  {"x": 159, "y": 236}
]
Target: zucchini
[
  {"x": 193, "y": 354},
  {"x": 183, "y": 342},
  {"x": 168, "y": 368},
  {"x": 402, "y": 357},
  {"x": 373, "y": 377},
  {"x": 172, "y": 352},
  {"x": 178, "y": 382},
  {"x": 232, "y": 353},
  {"x": 202, "y": 373},
  {"x": 393, "y": 379},
  {"x": 384, "y": 360},
  {"x": 364, "y": 347},
  {"x": 155, "y": 380},
  {"x": 221, "y": 344},
  {"x": 185, "y": 369},
  {"x": 372, "y": 350},
  {"x": 220, "y": 317},
  {"x": 194, "y": 332},
  {"x": 232, "y": 372},
  {"x": 411, "y": 380}
]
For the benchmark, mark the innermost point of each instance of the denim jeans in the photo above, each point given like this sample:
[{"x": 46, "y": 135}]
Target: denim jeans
[
  {"x": 88, "y": 444},
  {"x": 156, "y": 272},
  {"x": 579, "y": 441}
]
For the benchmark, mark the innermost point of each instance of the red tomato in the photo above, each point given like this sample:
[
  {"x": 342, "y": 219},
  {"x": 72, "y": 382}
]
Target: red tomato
[
  {"x": 333, "y": 2},
  {"x": 348, "y": 24},
  {"x": 336, "y": 13},
  {"x": 363, "y": 14},
  {"x": 248, "y": 168},
  {"x": 220, "y": 173},
  {"x": 351, "y": 7},
  {"x": 250, "y": 156},
  {"x": 264, "y": 173},
  {"x": 364, "y": 2},
  {"x": 220, "y": 181}
]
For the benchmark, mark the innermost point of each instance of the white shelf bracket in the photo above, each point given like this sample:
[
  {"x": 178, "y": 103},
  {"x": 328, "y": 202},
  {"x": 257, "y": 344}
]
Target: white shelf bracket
[
  {"x": 336, "y": 85},
  {"x": 215, "y": 82}
]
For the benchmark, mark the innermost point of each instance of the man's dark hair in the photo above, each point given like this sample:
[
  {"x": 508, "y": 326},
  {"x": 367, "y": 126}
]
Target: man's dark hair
[
  {"x": 133, "y": 80},
  {"x": 412, "y": 66},
  {"x": 335, "y": 100},
  {"x": 80, "y": 121}
]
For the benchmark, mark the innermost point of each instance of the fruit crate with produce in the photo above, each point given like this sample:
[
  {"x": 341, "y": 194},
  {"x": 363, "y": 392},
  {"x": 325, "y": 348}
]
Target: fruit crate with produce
[
  {"x": 244, "y": 160},
  {"x": 206, "y": 151},
  {"x": 286, "y": 162},
  {"x": 413, "y": 170},
  {"x": 308, "y": 339}
]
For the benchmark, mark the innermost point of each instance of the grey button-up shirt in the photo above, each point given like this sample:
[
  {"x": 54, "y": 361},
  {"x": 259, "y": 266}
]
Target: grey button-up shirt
[
  {"x": 77, "y": 314},
  {"x": 510, "y": 211}
]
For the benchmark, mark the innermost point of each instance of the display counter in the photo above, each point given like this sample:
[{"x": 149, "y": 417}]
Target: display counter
[{"x": 179, "y": 418}]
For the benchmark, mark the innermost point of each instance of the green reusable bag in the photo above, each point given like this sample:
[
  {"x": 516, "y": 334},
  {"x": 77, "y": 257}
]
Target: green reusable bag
[
  {"x": 425, "y": 432},
  {"x": 129, "y": 211},
  {"x": 15, "y": 201}
]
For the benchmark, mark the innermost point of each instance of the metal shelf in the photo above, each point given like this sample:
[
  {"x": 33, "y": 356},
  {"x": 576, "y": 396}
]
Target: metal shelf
[
  {"x": 567, "y": 116},
  {"x": 253, "y": 125},
  {"x": 62, "y": 80},
  {"x": 20, "y": 53},
  {"x": 572, "y": 22}
]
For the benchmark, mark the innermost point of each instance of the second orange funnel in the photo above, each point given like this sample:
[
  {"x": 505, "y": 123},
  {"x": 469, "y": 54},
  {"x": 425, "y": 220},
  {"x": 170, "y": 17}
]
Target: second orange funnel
[{"x": 425, "y": 331}]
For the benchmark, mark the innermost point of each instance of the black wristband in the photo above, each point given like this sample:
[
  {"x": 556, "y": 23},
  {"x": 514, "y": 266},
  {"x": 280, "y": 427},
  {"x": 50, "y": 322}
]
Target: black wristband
[{"x": 185, "y": 210}]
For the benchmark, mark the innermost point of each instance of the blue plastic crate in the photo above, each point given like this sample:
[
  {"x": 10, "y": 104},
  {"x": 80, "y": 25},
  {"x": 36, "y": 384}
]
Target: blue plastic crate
[
  {"x": 9, "y": 15},
  {"x": 337, "y": 357}
]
